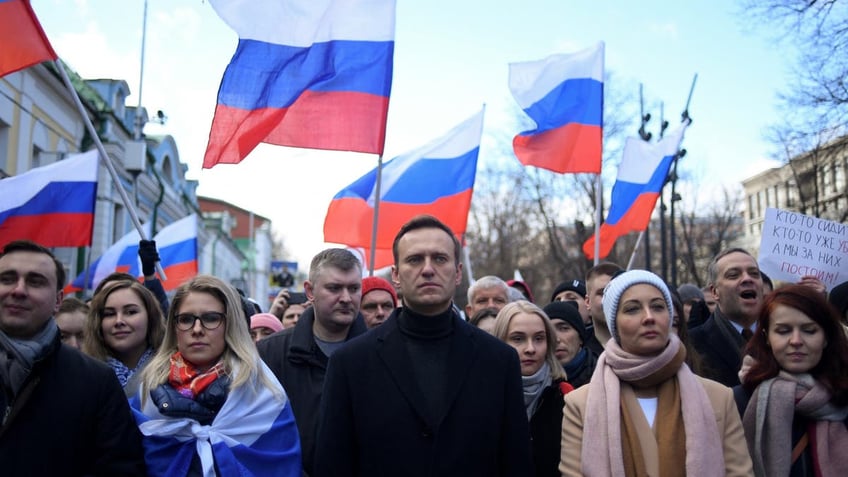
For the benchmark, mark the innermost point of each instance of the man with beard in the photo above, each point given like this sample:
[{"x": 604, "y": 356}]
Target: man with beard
[{"x": 298, "y": 356}]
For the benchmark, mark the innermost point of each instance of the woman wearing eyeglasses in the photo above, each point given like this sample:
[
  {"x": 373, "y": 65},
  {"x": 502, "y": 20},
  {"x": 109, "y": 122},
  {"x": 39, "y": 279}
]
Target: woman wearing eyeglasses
[
  {"x": 124, "y": 329},
  {"x": 208, "y": 405}
]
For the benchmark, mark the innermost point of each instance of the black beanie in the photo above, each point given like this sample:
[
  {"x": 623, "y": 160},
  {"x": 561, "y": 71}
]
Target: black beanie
[
  {"x": 575, "y": 285},
  {"x": 566, "y": 311}
]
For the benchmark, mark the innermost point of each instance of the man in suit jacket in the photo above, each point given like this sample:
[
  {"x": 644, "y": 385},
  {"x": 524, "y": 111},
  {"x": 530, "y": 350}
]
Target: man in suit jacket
[
  {"x": 424, "y": 394},
  {"x": 737, "y": 286}
]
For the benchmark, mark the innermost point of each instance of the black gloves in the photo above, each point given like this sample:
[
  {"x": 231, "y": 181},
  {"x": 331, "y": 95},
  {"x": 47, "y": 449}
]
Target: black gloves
[{"x": 149, "y": 256}]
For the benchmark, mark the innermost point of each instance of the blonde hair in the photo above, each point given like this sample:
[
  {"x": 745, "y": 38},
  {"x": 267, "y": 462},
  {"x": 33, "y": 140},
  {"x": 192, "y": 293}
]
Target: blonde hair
[
  {"x": 501, "y": 331},
  {"x": 94, "y": 344},
  {"x": 240, "y": 357}
]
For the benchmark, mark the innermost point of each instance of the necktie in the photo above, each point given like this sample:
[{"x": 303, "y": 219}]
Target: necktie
[{"x": 747, "y": 333}]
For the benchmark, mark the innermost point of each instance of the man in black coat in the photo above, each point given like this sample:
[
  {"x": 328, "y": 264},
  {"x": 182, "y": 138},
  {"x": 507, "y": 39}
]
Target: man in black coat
[
  {"x": 298, "y": 356},
  {"x": 737, "y": 286},
  {"x": 61, "y": 413},
  {"x": 424, "y": 394}
]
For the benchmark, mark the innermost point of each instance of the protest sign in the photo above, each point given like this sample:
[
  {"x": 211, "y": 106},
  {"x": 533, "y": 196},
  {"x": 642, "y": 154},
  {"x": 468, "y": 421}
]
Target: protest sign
[{"x": 794, "y": 245}]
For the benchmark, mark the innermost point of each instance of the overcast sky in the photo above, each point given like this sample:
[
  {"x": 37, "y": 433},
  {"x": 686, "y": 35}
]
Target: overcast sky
[{"x": 450, "y": 58}]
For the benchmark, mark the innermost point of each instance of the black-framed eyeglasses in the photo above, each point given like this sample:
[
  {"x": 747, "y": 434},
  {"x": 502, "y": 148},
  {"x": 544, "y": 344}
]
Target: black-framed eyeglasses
[{"x": 209, "y": 320}]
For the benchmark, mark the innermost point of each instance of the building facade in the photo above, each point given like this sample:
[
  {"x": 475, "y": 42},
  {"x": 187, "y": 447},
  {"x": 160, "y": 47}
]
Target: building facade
[
  {"x": 39, "y": 125},
  {"x": 814, "y": 183},
  {"x": 251, "y": 233}
]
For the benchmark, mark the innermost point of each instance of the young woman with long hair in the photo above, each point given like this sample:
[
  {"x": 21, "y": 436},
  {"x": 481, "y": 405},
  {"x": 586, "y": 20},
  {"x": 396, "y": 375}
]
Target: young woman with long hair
[
  {"x": 796, "y": 405},
  {"x": 207, "y": 403}
]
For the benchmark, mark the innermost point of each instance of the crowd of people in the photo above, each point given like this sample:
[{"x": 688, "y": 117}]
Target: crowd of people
[{"x": 617, "y": 374}]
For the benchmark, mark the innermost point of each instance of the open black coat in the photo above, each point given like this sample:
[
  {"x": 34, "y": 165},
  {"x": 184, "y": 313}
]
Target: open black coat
[
  {"x": 75, "y": 422},
  {"x": 374, "y": 422},
  {"x": 300, "y": 366},
  {"x": 720, "y": 347}
]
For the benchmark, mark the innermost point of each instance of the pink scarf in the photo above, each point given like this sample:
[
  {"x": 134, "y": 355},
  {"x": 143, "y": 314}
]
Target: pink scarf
[
  {"x": 768, "y": 425},
  {"x": 602, "y": 455}
]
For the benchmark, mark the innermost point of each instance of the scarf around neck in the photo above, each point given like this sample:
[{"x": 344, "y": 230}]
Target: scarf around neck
[
  {"x": 603, "y": 424},
  {"x": 533, "y": 387},
  {"x": 21, "y": 355},
  {"x": 768, "y": 425},
  {"x": 123, "y": 372},
  {"x": 188, "y": 380}
]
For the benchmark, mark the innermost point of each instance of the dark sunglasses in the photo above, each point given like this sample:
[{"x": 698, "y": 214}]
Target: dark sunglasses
[{"x": 209, "y": 320}]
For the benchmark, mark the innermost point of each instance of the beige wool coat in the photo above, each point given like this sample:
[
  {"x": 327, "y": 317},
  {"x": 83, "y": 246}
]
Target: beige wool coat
[{"x": 737, "y": 461}]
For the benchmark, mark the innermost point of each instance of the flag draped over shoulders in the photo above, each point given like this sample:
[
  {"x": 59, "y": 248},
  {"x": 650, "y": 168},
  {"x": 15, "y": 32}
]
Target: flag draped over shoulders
[
  {"x": 306, "y": 73},
  {"x": 254, "y": 434},
  {"x": 641, "y": 177},
  {"x": 436, "y": 179},
  {"x": 22, "y": 40},
  {"x": 564, "y": 95},
  {"x": 52, "y": 205}
]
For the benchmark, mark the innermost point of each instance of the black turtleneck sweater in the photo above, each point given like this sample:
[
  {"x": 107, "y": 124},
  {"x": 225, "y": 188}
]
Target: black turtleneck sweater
[{"x": 427, "y": 339}]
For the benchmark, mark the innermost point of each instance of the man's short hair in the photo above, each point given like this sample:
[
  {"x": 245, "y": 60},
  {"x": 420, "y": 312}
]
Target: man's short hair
[
  {"x": 340, "y": 258},
  {"x": 426, "y": 222},
  {"x": 712, "y": 268},
  {"x": 485, "y": 283},
  {"x": 72, "y": 304},
  {"x": 609, "y": 269},
  {"x": 30, "y": 246}
]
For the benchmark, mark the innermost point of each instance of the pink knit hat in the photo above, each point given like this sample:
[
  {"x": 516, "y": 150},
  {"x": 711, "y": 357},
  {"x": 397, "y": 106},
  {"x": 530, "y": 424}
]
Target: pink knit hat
[{"x": 265, "y": 320}]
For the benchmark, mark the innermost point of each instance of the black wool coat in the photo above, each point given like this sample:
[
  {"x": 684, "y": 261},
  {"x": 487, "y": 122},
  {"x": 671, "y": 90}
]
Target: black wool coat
[
  {"x": 300, "y": 366},
  {"x": 720, "y": 347},
  {"x": 75, "y": 422},
  {"x": 546, "y": 430},
  {"x": 374, "y": 416}
]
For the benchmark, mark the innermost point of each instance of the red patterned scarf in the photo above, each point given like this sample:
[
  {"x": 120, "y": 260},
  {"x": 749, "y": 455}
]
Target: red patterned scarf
[{"x": 188, "y": 380}]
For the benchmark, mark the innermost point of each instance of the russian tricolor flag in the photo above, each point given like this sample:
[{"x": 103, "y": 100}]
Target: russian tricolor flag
[
  {"x": 307, "y": 73},
  {"x": 24, "y": 42},
  {"x": 641, "y": 176},
  {"x": 436, "y": 179},
  {"x": 177, "y": 246},
  {"x": 52, "y": 205},
  {"x": 564, "y": 95}
]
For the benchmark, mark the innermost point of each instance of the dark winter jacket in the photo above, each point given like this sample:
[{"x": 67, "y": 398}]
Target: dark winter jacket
[
  {"x": 546, "y": 429},
  {"x": 720, "y": 347},
  {"x": 299, "y": 364},
  {"x": 582, "y": 373},
  {"x": 376, "y": 420},
  {"x": 70, "y": 419}
]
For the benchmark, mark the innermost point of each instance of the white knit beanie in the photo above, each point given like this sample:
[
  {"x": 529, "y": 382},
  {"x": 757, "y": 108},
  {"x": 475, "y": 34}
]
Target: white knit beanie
[{"x": 616, "y": 287}]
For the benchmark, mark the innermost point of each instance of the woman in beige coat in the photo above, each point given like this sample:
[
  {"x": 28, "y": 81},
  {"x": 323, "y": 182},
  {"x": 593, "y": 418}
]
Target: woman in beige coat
[{"x": 644, "y": 413}]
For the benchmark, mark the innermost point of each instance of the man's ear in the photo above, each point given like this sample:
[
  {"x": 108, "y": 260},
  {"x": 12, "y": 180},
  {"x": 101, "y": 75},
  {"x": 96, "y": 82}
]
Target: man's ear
[
  {"x": 309, "y": 289},
  {"x": 60, "y": 295},
  {"x": 395, "y": 277}
]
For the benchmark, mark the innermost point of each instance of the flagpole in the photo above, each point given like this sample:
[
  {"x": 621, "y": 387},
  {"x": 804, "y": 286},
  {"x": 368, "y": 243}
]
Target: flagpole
[
  {"x": 467, "y": 259},
  {"x": 635, "y": 248},
  {"x": 372, "y": 257},
  {"x": 107, "y": 161},
  {"x": 597, "y": 218}
]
